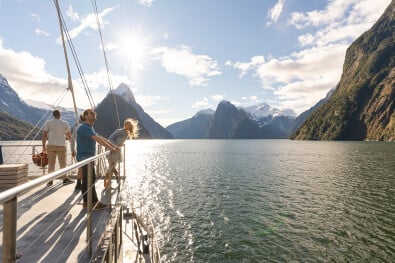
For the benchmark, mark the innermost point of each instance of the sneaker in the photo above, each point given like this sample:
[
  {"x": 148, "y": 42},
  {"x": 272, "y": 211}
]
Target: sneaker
[
  {"x": 50, "y": 183},
  {"x": 67, "y": 181}
]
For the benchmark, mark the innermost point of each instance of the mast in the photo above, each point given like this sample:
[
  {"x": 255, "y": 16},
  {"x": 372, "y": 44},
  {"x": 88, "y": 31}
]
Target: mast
[{"x": 70, "y": 83}]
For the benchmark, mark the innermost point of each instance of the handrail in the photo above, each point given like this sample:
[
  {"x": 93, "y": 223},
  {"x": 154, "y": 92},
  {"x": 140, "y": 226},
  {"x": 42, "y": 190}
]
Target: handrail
[
  {"x": 9, "y": 200},
  {"x": 9, "y": 194}
]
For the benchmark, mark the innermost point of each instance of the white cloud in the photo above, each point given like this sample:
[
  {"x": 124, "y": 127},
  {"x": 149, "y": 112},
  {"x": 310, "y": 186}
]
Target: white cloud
[
  {"x": 146, "y": 2},
  {"x": 276, "y": 11},
  {"x": 217, "y": 98},
  {"x": 306, "y": 39},
  {"x": 35, "y": 17},
  {"x": 88, "y": 21},
  {"x": 306, "y": 64},
  {"x": 302, "y": 78},
  {"x": 28, "y": 77},
  {"x": 210, "y": 102},
  {"x": 41, "y": 32},
  {"x": 245, "y": 67},
  {"x": 251, "y": 100},
  {"x": 202, "y": 104},
  {"x": 335, "y": 11},
  {"x": 72, "y": 14},
  {"x": 305, "y": 76},
  {"x": 181, "y": 61},
  {"x": 147, "y": 101}
]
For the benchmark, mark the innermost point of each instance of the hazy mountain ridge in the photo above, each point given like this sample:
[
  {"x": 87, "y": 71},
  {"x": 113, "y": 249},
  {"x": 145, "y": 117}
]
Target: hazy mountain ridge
[
  {"x": 11, "y": 104},
  {"x": 16, "y": 112},
  {"x": 14, "y": 129},
  {"x": 193, "y": 128},
  {"x": 231, "y": 122}
]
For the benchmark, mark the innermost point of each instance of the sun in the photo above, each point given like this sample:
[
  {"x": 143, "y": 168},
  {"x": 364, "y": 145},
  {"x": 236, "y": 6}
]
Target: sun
[{"x": 132, "y": 50}]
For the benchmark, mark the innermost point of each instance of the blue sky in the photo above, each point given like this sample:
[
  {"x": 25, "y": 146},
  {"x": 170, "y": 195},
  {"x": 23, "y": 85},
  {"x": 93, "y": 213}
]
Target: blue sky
[{"x": 181, "y": 56}]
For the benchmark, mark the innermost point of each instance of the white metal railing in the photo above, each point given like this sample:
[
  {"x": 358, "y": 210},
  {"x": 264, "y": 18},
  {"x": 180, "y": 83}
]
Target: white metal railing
[
  {"x": 9, "y": 200},
  {"x": 22, "y": 154}
]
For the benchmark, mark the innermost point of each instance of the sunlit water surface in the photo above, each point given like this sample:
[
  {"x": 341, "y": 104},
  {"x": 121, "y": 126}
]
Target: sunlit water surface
[{"x": 268, "y": 200}]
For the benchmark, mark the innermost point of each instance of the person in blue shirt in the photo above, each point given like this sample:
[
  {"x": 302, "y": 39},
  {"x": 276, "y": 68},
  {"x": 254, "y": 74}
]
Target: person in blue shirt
[
  {"x": 118, "y": 138},
  {"x": 86, "y": 147},
  {"x": 73, "y": 150}
]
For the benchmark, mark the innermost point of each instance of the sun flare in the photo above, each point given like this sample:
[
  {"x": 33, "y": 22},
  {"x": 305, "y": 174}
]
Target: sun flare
[{"x": 132, "y": 51}]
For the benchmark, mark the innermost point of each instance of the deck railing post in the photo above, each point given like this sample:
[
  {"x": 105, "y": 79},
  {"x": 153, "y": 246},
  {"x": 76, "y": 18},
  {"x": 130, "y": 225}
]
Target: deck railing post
[
  {"x": 89, "y": 208},
  {"x": 9, "y": 231},
  {"x": 1, "y": 156},
  {"x": 119, "y": 233}
]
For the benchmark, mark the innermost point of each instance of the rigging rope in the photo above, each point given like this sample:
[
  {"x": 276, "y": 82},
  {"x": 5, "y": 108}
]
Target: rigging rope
[
  {"x": 105, "y": 60},
  {"x": 77, "y": 62}
]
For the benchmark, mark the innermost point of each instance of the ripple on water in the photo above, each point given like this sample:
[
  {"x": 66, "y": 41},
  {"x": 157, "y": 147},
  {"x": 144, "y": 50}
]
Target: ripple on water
[{"x": 270, "y": 201}]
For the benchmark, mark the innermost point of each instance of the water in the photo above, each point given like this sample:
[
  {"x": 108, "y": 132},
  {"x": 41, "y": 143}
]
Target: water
[
  {"x": 21, "y": 152},
  {"x": 268, "y": 200}
]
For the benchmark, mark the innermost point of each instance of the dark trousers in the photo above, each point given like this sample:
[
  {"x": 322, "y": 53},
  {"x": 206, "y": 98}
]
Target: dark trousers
[{"x": 85, "y": 183}]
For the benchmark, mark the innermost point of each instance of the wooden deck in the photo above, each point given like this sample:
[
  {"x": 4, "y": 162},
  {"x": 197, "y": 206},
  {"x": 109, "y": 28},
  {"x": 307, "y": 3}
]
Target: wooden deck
[{"x": 51, "y": 224}]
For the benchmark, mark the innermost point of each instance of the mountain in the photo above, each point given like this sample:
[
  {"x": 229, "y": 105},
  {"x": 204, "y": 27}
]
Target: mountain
[
  {"x": 362, "y": 107},
  {"x": 193, "y": 128},
  {"x": 155, "y": 129},
  {"x": 107, "y": 121},
  {"x": 262, "y": 111},
  {"x": 14, "y": 129},
  {"x": 11, "y": 104},
  {"x": 304, "y": 115},
  {"x": 127, "y": 106},
  {"x": 226, "y": 121},
  {"x": 229, "y": 122}
]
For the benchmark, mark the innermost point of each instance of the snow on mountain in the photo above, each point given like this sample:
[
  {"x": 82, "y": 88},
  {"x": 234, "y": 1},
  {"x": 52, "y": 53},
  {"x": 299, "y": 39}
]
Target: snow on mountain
[
  {"x": 124, "y": 91},
  {"x": 39, "y": 104},
  {"x": 264, "y": 110}
]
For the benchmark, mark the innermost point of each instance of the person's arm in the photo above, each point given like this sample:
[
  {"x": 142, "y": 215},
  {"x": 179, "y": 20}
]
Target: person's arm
[
  {"x": 104, "y": 142},
  {"x": 44, "y": 140},
  {"x": 72, "y": 142},
  {"x": 68, "y": 136},
  {"x": 67, "y": 131}
]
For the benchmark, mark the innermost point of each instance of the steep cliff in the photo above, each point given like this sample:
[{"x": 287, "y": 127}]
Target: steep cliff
[{"x": 363, "y": 105}]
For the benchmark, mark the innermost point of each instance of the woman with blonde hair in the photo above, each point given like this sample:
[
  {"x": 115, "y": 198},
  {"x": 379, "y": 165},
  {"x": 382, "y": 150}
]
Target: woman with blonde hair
[{"x": 118, "y": 137}]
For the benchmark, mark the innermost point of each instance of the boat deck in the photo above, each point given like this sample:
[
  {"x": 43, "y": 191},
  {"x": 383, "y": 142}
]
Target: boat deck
[{"x": 51, "y": 226}]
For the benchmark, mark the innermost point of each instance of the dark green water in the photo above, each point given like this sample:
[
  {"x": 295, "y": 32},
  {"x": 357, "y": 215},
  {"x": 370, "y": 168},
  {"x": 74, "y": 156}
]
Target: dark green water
[{"x": 268, "y": 200}]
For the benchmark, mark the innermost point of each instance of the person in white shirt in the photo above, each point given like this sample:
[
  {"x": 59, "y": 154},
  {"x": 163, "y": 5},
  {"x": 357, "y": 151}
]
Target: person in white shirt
[{"x": 57, "y": 131}]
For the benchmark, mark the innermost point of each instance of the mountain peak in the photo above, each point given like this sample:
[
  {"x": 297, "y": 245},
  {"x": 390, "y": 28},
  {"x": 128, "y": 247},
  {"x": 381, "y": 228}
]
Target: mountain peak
[
  {"x": 225, "y": 103},
  {"x": 208, "y": 112},
  {"x": 125, "y": 92}
]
